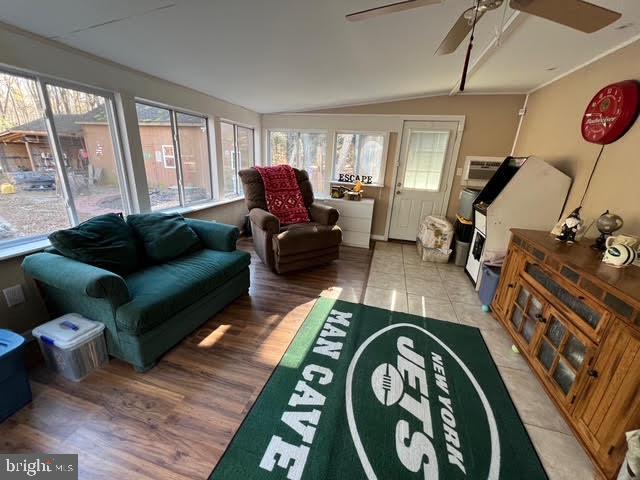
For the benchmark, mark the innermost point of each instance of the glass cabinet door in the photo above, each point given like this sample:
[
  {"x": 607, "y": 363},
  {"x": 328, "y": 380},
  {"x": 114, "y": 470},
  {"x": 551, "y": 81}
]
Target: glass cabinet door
[
  {"x": 526, "y": 314},
  {"x": 563, "y": 353}
]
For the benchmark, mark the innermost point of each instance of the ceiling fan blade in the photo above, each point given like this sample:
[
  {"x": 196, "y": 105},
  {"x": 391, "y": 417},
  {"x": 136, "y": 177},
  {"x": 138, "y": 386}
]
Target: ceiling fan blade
[
  {"x": 458, "y": 33},
  {"x": 577, "y": 14},
  {"x": 391, "y": 8}
]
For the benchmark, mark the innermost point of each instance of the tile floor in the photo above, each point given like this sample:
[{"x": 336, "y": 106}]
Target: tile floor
[{"x": 400, "y": 281}]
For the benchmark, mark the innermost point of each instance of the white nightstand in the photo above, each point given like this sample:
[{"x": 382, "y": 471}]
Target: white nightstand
[{"x": 355, "y": 219}]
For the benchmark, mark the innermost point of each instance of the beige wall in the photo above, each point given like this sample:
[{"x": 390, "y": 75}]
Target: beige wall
[
  {"x": 490, "y": 127},
  {"x": 551, "y": 131}
]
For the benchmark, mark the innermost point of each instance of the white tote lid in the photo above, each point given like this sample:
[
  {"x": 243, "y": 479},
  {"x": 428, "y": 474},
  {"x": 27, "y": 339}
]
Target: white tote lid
[{"x": 68, "y": 331}]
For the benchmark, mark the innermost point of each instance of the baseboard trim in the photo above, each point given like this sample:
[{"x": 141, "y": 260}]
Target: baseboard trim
[{"x": 380, "y": 238}]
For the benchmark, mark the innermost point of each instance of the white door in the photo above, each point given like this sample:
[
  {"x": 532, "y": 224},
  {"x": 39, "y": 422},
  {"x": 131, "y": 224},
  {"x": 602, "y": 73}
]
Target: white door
[{"x": 425, "y": 175}]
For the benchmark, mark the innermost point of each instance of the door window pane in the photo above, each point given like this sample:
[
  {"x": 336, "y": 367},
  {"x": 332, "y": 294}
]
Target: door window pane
[
  {"x": 564, "y": 376},
  {"x": 556, "y": 332},
  {"x": 516, "y": 318},
  {"x": 574, "y": 352},
  {"x": 227, "y": 138},
  {"x": 157, "y": 146},
  {"x": 194, "y": 157},
  {"x": 546, "y": 355},
  {"x": 535, "y": 307},
  {"x": 425, "y": 160},
  {"x": 359, "y": 154},
  {"x": 523, "y": 296},
  {"x": 529, "y": 329},
  {"x": 31, "y": 202},
  {"x": 84, "y": 132}
]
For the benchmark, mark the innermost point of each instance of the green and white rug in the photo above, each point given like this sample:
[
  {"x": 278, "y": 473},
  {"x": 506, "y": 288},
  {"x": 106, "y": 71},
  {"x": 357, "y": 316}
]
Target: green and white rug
[{"x": 369, "y": 393}]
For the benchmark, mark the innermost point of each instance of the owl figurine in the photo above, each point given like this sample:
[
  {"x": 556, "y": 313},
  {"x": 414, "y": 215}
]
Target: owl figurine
[{"x": 570, "y": 228}]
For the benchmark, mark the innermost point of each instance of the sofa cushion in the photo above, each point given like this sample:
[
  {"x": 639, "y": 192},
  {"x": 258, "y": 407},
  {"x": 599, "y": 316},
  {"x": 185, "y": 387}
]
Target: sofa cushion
[
  {"x": 161, "y": 291},
  {"x": 164, "y": 236},
  {"x": 105, "y": 241}
]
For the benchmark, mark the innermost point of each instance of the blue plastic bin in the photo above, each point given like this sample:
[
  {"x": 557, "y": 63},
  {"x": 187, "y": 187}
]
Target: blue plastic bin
[
  {"x": 14, "y": 383},
  {"x": 488, "y": 286}
]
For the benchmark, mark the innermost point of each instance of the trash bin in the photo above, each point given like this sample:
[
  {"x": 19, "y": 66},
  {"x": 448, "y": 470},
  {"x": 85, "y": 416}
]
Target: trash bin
[
  {"x": 488, "y": 285},
  {"x": 463, "y": 229},
  {"x": 14, "y": 383},
  {"x": 462, "y": 251},
  {"x": 72, "y": 345}
]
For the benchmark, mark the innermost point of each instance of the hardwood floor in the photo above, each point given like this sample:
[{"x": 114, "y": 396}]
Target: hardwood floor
[{"x": 175, "y": 421}]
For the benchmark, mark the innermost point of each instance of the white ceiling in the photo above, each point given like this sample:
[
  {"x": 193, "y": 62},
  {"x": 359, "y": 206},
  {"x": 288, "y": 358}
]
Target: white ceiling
[{"x": 285, "y": 55}]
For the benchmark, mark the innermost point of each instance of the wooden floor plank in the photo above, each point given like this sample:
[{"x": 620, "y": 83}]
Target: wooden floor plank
[{"x": 176, "y": 420}]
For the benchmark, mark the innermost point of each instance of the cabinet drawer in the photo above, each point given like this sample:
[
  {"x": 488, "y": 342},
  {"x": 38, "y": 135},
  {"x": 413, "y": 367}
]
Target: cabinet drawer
[
  {"x": 355, "y": 224},
  {"x": 355, "y": 239},
  {"x": 361, "y": 209}
]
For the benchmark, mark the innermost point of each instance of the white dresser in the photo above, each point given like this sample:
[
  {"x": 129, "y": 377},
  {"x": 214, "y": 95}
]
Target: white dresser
[{"x": 355, "y": 219}]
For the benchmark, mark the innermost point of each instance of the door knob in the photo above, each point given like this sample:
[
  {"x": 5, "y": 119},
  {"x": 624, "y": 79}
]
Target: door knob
[
  {"x": 398, "y": 192},
  {"x": 399, "y": 184}
]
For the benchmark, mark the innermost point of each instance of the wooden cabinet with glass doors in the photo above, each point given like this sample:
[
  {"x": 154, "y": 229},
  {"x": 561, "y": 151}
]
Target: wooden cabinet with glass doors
[{"x": 577, "y": 323}]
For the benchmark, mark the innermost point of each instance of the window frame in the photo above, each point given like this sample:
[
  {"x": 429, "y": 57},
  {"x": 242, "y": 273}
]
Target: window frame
[
  {"x": 165, "y": 156},
  {"x": 332, "y": 136},
  {"x": 385, "y": 152},
  {"x": 48, "y": 117},
  {"x": 175, "y": 138},
  {"x": 318, "y": 131},
  {"x": 239, "y": 192}
]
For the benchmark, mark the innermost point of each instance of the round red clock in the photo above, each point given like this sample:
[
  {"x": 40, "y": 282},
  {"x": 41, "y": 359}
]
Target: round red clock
[{"x": 611, "y": 112}]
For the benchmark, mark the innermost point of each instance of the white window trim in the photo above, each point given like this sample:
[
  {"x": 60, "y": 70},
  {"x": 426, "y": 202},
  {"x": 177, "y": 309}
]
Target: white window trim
[
  {"x": 173, "y": 112},
  {"x": 385, "y": 152},
  {"x": 297, "y": 130},
  {"x": 237, "y": 193},
  {"x": 331, "y": 147},
  {"x": 39, "y": 243},
  {"x": 165, "y": 156},
  {"x": 24, "y": 245}
]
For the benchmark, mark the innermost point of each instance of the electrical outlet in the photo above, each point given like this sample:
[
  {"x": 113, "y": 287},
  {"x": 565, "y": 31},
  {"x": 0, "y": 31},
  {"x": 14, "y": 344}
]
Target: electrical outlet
[{"x": 14, "y": 295}]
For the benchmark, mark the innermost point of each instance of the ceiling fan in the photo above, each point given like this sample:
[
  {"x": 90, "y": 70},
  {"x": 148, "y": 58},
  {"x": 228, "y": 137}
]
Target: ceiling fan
[{"x": 577, "y": 14}]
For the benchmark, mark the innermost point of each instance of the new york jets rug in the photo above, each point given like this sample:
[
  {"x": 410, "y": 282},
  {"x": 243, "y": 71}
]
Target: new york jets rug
[{"x": 364, "y": 392}]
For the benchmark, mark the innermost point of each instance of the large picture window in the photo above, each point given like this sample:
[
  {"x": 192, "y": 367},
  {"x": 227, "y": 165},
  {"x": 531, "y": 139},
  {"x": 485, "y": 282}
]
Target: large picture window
[
  {"x": 176, "y": 156},
  {"x": 60, "y": 161},
  {"x": 303, "y": 150},
  {"x": 237, "y": 154},
  {"x": 359, "y": 154}
]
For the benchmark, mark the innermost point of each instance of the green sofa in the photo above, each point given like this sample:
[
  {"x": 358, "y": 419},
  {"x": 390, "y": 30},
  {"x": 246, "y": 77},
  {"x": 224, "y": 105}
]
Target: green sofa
[{"x": 148, "y": 311}]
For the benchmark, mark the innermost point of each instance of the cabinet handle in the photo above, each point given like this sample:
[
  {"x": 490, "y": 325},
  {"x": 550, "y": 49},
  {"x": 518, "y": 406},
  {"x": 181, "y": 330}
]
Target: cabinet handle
[
  {"x": 580, "y": 297},
  {"x": 592, "y": 373},
  {"x": 511, "y": 285},
  {"x": 540, "y": 318}
]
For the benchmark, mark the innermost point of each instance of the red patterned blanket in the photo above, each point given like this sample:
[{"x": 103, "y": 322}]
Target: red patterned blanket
[{"x": 284, "y": 198}]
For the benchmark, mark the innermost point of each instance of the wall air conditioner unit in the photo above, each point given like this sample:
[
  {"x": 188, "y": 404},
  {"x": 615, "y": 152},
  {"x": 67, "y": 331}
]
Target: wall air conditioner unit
[{"x": 478, "y": 170}]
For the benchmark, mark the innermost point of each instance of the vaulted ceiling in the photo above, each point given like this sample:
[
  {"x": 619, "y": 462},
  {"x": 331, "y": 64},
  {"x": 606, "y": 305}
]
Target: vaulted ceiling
[{"x": 285, "y": 55}]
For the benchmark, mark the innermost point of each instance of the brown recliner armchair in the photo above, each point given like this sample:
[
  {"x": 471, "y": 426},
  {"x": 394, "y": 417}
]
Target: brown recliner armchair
[{"x": 291, "y": 247}]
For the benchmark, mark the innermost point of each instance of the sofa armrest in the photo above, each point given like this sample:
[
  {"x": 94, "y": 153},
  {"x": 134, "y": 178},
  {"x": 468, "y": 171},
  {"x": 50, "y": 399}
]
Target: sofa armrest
[
  {"x": 77, "y": 277},
  {"x": 265, "y": 220},
  {"x": 215, "y": 236},
  {"x": 323, "y": 214}
]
